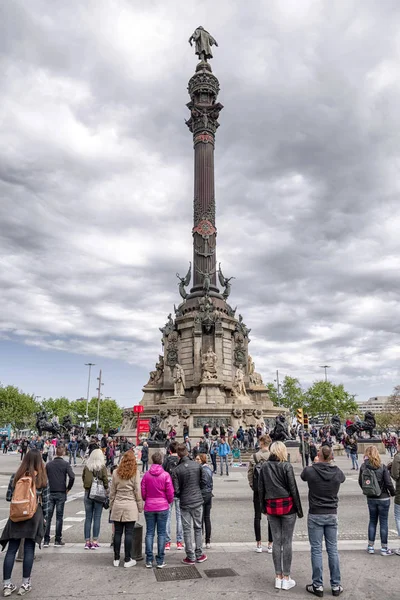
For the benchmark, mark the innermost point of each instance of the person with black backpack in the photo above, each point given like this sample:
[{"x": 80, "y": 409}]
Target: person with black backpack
[
  {"x": 253, "y": 472},
  {"x": 169, "y": 465},
  {"x": 374, "y": 480}
]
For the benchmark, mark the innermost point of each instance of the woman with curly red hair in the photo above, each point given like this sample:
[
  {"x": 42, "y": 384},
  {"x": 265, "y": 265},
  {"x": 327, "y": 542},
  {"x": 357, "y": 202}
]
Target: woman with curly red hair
[{"x": 125, "y": 505}]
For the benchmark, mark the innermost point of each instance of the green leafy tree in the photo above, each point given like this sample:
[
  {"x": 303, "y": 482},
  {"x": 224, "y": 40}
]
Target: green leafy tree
[
  {"x": 393, "y": 407},
  {"x": 383, "y": 420},
  {"x": 60, "y": 407},
  {"x": 272, "y": 393},
  {"x": 16, "y": 408},
  {"x": 326, "y": 397},
  {"x": 110, "y": 414},
  {"x": 292, "y": 394}
]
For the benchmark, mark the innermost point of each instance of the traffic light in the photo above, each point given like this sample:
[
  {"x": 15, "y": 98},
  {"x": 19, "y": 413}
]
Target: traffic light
[
  {"x": 305, "y": 422},
  {"x": 299, "y": 416}
]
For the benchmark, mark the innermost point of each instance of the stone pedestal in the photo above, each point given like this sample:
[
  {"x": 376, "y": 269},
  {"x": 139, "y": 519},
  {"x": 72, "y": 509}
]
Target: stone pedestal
[
  {"x": 211, "y": 393},
  {"x": 364, "y": 443}
]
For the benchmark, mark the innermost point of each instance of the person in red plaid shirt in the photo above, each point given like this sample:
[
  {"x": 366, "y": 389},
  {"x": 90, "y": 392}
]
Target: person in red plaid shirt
[{"x": 280, "y": 501}]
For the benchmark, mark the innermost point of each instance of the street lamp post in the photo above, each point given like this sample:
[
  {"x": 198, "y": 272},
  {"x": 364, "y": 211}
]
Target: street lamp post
[
  {"x": 278, "y": 386},
  {"x": 98, "y": 399},
  {"x": 90, "y": 365},
  {"x": 326, "y": 374}
]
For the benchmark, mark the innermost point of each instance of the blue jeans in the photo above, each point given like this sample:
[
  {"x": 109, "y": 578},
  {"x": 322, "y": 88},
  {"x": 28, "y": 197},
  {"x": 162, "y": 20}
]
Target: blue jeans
[
  {"x": 153, "y": 519},
  {"x": 72, "y": 455},
  {"x": 354, "y": 460},
  {"x": 56, "y": 501},
  {"x": 179, "y": 530},
  {"x": 9, "y": 560},
  {"x": 222, "y": 460},
  {"x": 93, "y": 512},
  {"x": 378, "y": 509},
  {"x": 397, "y": 517},
  {"x": 320, "y": 526}
]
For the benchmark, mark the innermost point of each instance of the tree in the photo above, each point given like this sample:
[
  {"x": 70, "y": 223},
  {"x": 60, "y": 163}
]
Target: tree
[
  {"x": 327, "y": 398},
  {"x": 16, "y": 408},
  {"x": 292, "y": 394},
  {"x": 61, "y": 407},
  {"x": 383, "y": 420},
  {"x": 273, "y": 394},
  {"x": 393, "y": 407},
  {"x": 110, "y": 414}
]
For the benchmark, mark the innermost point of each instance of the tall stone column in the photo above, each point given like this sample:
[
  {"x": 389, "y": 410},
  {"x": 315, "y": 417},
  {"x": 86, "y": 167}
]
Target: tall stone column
[{"x": 203, "y": 123}]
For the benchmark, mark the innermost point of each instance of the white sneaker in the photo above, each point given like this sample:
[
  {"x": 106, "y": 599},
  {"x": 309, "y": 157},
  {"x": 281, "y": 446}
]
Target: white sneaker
[
  {"x": 269, "y": 549},
  {"x": 288, "y": 584},
  {"x": 258, "y": 549},
  {"x": 278, "y": 583},
  {"x": 116, "y": 563},
  {"x": 130, "y": 563}
]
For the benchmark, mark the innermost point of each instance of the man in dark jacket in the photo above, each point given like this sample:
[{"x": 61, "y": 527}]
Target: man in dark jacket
[
  {"x": 324, "y": 480},
  {"x": 189, "y": 480},
  {"x": 57, "y": 471},
  {"x": 170, "y": 463},
  {"x": 145, "y": 457}
]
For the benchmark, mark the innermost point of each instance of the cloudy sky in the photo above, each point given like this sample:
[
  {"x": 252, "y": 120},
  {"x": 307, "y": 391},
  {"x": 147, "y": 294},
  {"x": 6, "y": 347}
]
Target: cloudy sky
[{"x": 96, "y": 187}]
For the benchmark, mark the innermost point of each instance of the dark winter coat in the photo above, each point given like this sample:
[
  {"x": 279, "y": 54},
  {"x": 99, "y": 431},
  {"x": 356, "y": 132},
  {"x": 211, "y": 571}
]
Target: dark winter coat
[
  {"x": 188, "y": 479},
  {"x": 277, "y": 480}
]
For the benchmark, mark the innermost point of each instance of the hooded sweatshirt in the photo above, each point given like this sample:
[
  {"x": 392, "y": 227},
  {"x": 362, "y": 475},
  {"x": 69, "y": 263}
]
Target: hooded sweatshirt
[
  {"x": 157, "y": 489},
  {"x": 324, "y": 481}
]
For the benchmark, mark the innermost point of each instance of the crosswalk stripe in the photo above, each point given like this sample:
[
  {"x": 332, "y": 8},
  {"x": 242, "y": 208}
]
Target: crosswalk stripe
[{"x": 76, "y": 519}]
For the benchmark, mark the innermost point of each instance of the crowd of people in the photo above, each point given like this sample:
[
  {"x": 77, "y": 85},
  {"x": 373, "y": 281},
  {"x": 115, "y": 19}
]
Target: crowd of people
[{"x": 181, "y": 481}]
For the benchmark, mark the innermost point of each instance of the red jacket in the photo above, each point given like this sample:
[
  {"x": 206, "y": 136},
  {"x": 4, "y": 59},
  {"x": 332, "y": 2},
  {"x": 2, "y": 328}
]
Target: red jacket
[{"x": 157, "y": 489}]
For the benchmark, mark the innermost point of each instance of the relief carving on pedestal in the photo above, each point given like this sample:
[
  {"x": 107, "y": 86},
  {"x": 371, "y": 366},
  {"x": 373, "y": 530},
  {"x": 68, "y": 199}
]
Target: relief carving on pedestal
[
  {"x": 239, "y": 353},
  {"x": 172, "y": 349}
]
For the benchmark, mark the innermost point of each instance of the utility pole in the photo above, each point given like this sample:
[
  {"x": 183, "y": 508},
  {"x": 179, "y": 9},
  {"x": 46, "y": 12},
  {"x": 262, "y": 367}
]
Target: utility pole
[
  {"x": 278, "y": 387},
  {"x": 99, "y": 394},
  {"x": 326, "y": 374},
  {"x": 90, "y": 365}
]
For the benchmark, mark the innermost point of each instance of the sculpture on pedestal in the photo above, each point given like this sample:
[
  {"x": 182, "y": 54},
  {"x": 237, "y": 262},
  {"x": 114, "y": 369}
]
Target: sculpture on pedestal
[
  {"x": 203, "y": 41},
  {"x": 157, "y": 375},
  {"x": 206, "y": 279},
  {"x": 184, "y": 281},
  {"x": 238, "y": 386},
  {"x": 280, "y": 432},
  {"x": 224, "y": 281},
  {"x": 368, "y": 425},
  {"x": 179, "y": 380},
  {"x": 209, "y": 365}
]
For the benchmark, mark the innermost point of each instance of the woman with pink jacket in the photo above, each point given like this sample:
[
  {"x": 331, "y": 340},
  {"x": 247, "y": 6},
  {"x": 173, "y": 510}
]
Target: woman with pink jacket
[{"x": 158, "y": 494}]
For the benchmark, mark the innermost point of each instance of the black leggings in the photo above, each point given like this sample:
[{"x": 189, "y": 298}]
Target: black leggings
[
  {"x": 257, "y": 520},
  {"x": 207, "y": 518},
  {"x": 119, "y": 528}
]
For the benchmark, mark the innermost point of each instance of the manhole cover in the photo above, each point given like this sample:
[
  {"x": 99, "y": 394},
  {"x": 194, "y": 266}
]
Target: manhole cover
[
  {"x": 177, "y": 573},
  {"x": 220, "y": 573}
]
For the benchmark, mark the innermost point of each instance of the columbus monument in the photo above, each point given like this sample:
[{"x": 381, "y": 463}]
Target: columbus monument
[{"x": 204, "y": 373}]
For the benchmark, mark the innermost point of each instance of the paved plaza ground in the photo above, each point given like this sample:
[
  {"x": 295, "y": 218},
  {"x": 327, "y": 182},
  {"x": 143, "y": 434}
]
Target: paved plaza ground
[{"x": 71, "y": 571}]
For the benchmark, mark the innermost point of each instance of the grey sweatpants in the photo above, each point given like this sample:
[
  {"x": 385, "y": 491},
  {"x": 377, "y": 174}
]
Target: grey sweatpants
[
  {"x": 282, "y": 529},
  {"x": 192, "y": 516}
]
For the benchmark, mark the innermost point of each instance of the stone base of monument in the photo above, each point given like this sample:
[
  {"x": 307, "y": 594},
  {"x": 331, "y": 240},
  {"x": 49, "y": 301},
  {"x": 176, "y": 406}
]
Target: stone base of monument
[
  {"x": 156, "y": 444},
  {"x": 211, "y": 393},
  {"x": 365, "y": 442}
]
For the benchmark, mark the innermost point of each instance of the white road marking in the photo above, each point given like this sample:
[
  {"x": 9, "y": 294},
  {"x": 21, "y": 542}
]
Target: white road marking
[
  {"x": 76, "y": 519},
  {"x": 75, "y": 497},
  {"x": 81, "y": 512}
]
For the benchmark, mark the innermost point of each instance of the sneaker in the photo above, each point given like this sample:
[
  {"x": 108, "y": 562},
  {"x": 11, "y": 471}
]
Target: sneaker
[
  {"x": 179, "y": 546},
  {"x": 168, "y": 546},
  {"x": 370, "y": 550},
  {"x": 337, "y": 590},
  {"x": 278, "y": 583},
  {"x": 24, "y": 589},
  {"x": 149, "y": 565},
  {"x": 94, "y": 546},
  {"x": 188, "y": 561},
  {"x": 288, "y": 584},
  {"x": 208, "y": 545},
  {"x": 130, "y": 563},
  {"x": 59, "y": 544},
  {"x": 258, "y": 549},
  {"x": 116, "y": 563},
  {"x": 386, "y": 552},
  {"x": 316, "y": 590},
  {"x": 269, "y": 549},
  {"x": 88, "y": 545},
  {"x": 46, "y": 544},
  {"x": 201, "y": 558},
  {"x": 162, "y": 565},
  {"x": 9, "y": 589}
]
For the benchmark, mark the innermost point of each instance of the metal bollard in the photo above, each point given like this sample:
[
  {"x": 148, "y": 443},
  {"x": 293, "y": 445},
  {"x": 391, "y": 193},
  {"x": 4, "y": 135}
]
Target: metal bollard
[{"x": 137, "y": 542}]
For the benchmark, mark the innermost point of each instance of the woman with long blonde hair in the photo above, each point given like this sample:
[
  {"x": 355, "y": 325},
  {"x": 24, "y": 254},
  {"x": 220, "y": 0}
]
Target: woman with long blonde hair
[
  {"x": 125, "y": 505},
  {"x": 94, "y": 468},
  {"x": 378, "y": 504},
  {"x": 280, "y": 501}
]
